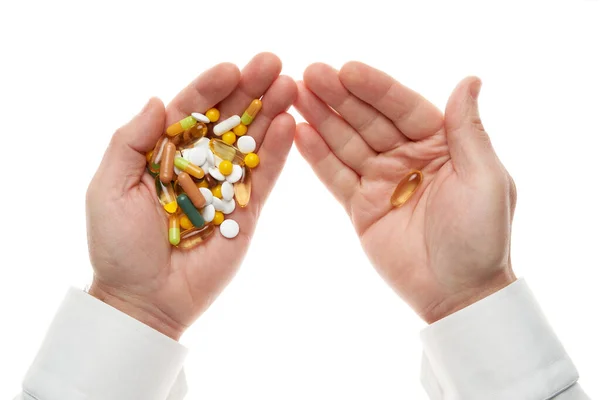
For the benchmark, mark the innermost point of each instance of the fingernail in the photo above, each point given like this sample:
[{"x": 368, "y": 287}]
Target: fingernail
[
  {"x": 146, "y": 107},
  {"x": 475, "y": 89}
]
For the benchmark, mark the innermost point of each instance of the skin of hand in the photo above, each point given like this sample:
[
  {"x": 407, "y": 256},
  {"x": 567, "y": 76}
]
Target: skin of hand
[
  {"x": 449, "y": 245},
  {"x": 136, "y": 270}
]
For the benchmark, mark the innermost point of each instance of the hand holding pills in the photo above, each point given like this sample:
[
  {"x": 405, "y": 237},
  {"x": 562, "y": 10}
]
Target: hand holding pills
[
  {"x": 173, "y": 204},
  {"x": 426, "y": 193}
]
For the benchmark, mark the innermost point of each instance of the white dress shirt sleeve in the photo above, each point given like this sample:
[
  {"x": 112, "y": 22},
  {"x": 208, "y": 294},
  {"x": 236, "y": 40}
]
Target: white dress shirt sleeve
[
  {"x": 500, "y": 348},
  {"x": 94, "y": 351}
]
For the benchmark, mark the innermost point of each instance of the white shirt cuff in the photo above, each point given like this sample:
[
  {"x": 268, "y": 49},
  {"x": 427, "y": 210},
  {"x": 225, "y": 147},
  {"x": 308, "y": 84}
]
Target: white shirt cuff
[
  {"x": 93, "y": 350},
  {"x": 501, "y": 347}
]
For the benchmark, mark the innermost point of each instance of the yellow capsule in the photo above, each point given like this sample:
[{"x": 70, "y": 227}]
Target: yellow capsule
[
  {"x": 185, "y": 222},
  {"x": 226, "y": 151},
  {"x": 229, "y": 137},
  {"x": 406, "y": 188},
  {"x": 219, "y": 218},
  {"x": 166, "y": 196},
  {"x": 202, "y": 184},
  {"x": 251, "y": 112},
  {"x": 149, "y": 155},
  {"x": 240, "y": 130},
  {"x": 216, "y": 191},
  {"x": 195, "y": 236},
  {"x": 225, "y": 167},
  {"x": 243, "y": 188},
  {"x": 213, "y": 114},
  {"x": 251, "y": 160},
  {"x": 180, "y": 126}
]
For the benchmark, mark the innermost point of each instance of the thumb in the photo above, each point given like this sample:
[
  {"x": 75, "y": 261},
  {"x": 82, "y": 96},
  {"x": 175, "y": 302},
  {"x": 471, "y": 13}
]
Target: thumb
[
  {"x": 470, "y": 146},
  {"x": 124, "y": 161}
]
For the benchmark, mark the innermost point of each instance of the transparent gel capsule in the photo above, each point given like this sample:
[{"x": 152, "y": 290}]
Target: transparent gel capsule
[
  {"x": 406, "y": 188},
  {"x": 192, "y": 135},
  {"x": 195, "y": 236},
  {"x": 166, "y": 196},
  {"x": 226, "y": 151},
  {"x": 243, "y": 188}
]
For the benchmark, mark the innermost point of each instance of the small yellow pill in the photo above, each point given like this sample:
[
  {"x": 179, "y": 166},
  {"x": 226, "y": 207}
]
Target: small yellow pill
[
  {"x": 202, "y": 184},
  {"x": 226, "y": 167},
  {"x": 251, "y": 160},
  {"x": 149, "y": 155},
  {"x": 216, "y": 191},
  {"x": 213, "y": 114},
  {"x": 219, "y": 218},
  {"x": 229, "y": 137},
  {"x": 240, "y": 130},
  {"x": 185, "y": 222}
]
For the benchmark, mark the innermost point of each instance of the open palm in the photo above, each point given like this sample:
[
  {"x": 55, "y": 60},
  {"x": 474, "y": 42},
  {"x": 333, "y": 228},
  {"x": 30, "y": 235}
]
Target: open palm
[
  {"x": 135, "y": 267},
  {"x": 449, "y": 244}
]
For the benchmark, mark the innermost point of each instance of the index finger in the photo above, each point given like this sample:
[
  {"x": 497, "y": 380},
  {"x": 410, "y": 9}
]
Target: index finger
[{"x": 212, "y": 86}]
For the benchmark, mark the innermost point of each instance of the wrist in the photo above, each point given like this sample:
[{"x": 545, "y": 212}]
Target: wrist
[
  {"x": 138, "y": 308},
  {"x": 464, "y": 298}
]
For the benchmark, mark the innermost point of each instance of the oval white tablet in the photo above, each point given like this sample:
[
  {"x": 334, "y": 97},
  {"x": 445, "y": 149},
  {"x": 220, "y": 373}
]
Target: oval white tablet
[
  {"x": 208, "y": 213},
  {"x": 229, "y": 228},
  {"x": 201, "y": 118},
  {"x": 208, "y": 196},
  {"x": 210, "y": 157},
  {"x": 246, "y": 144},
  {"x": 218, "y": 204},
  {"x": 215, "y": 173},
  {"x": 227, "y": 125},
  {"x": 236, "y": 174},
  {"x": 227, "y": 191}
]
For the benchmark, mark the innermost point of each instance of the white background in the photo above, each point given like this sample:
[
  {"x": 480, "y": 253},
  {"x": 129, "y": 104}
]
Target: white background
[{"x": 307, "y": 317}]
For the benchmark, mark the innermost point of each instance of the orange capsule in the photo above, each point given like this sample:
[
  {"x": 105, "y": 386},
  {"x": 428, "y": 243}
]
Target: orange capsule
[
  {"x": 188, "y": 167},
  {"x": 166, "y": 166},
  {"x": 251, "y": 112},
  {"x": 406, "y": 188},
  {"x": 180, "y": 126},
  {"x": 189, "y": 187}
]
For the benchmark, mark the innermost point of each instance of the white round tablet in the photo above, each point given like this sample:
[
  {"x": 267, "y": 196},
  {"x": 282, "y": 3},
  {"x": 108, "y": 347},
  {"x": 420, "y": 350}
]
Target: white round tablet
[
  {"x": 208, "y": 213},
  {"x": 196, "y": 156},
  {"x": 246, "y": 144},
  {"x": 229, "y": 228},
  {"x": 203, "y": 143},
  {"x": 228, "y": 206},
  {"x": 236, "y": 174},
  {"x": 201, "y": 118},
  {"x": 208, "y": 196},
  {"x": 227, "y": 191}
]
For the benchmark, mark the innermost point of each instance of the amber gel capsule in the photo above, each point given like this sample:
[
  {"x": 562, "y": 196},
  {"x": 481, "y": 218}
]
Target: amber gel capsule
[
  {"x": 193, "y": 237},
  {"x": 406, "y": 188},
  {"x": 251, "y": 112},
  {"x": 166, "y": 166},
  {"x": 166, "y": 196},
  {"x": 174, "y": 230},
  {"x": 189, "y": 187},
  {"x": 243, "y": 188}
]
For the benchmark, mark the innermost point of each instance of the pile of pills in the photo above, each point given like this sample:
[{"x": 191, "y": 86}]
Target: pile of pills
[{"x": 202, "y": 169}]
